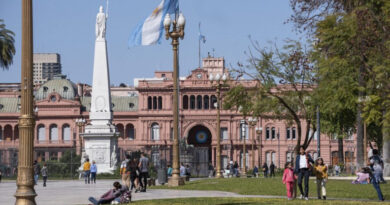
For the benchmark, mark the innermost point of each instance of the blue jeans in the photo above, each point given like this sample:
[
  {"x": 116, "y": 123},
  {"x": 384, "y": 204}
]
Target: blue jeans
[
  {"x": 86, "y": 176},
  {"x": 375, "y": 183},
  {"x": 36, "y": 176}
]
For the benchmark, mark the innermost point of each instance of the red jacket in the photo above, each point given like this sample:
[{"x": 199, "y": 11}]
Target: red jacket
[{"x": 288, "y": 175}]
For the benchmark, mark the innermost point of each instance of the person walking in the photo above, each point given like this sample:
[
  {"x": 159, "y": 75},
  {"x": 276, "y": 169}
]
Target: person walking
[
  {"x": 376, "y": 164},
  {"x": 231, "y": 168},
  {"x": 374, "y": 182},
  {"x": 125, "y": 170},
  {"x": 337, "y": 170},
  {"x": 211, "y": 170},
  {"x": 93, "y": 172},
  {"x": 169, "y": 171},
  {"x": 289, "y": 179},
  {"x": 37, "y": 170},
  {"x": 272, "y": 169},
  {"x": 134, "y": 174},
  {"x": 182, "y": 170},
  {"x": 321, "y": 172},
  {"x": 265, "y": 170},
  {"x": 302, "y": 168},
  {"x": 235, "y": 167},
  {"x": 1, "y": 174},
  {"x": 144, "y": 172},
  {"x": 44, "y": 173},
  {"x": 87, "y": 171}
]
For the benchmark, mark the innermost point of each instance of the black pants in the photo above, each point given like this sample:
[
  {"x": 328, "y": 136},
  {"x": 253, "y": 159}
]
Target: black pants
[
  {"x": 304, "y": 173},
  {"x": 93, "y": 177},
  {"x": 44, "y": 180},
  {"x": 272, "y": 173},
  {"x": 143, "y": 179},
  {"x": 265, "y": 174},
  {"x": 132, "y": 179}
]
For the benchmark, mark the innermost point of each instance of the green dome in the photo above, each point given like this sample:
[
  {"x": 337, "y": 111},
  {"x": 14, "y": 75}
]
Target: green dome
[{"x": 65, "y": 88}]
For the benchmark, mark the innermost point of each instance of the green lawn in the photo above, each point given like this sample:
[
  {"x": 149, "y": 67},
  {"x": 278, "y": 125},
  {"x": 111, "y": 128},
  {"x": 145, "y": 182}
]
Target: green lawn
[
  {"x": 274, "y": 186},
  {"x": 246, "y": 201}
]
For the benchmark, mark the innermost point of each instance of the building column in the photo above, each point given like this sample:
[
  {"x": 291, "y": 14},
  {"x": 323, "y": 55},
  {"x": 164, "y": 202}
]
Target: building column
[
  {"x": 47, "y": 156},
  {"x": 60, "y": 134},
  {"x": 47, "y": 134}
]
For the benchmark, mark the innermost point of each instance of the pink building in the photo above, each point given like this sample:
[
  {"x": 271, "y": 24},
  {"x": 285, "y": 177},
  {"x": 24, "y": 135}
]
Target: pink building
[{"x": 143, "y": 116}]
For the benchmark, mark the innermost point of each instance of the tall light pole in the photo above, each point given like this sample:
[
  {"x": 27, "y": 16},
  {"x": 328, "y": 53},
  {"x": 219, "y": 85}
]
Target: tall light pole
[
  {"x": 278, "y": 135},
  {"x": 252, "y": 122},
  {"x": 175, "y": 34},
  {"x": 318, "y": 132},
  {"x": 80, "y": 122},
  {"x": 25, "y": 193},
  {"x": 259, "y": 131},
  {"x": 218, "y": 80},
  {"x": 243, "y": 134}
]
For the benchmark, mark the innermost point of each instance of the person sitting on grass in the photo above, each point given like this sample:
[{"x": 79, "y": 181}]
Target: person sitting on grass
[
  {"x": 362, "y": 177},
  {"x": 119, "y": 194}
]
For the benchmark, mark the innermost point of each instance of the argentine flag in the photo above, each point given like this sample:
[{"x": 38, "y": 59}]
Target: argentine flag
[{"x": 149, "y": 31}]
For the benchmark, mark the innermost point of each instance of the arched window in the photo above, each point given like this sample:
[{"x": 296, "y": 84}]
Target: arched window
[
  {"x": 16, "y": 132},
  {"x": 155, "y": 131},
  {"x": 293, "y": 132},
  {"x": 160, "y": 103},
  {"x": 185, "y": 102},
  {"x": 120, "y": 130},
  {"x": 273, "y": 135},
  {"x": 199, "y": 102},
  {"x": 213, "y": 101},
  {"x": 53, "y": 132},
  {"x": 41, "y": 133},
  {"x": 192, "y": 102},
  {"x": 206, "y": 101},
  {"x": 66, "y": 132},
  {"x": 149, "y": 103},
  {"x": 267, "y": 134},
  {"x": 242, "y": 159},
  {"x": 270, "y": 156},
  {"x": 130, "y": 132},
  {"x": 154, "y": 103},
  {"x": 8, "y": 132}
]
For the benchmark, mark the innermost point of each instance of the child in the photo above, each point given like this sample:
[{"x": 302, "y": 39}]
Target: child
[
  {"x": 362, "y": 177},
  {"x": 321, "y": 171},
  {"x": 44, "y": 174},
  {"x": 288, "y": 179}
]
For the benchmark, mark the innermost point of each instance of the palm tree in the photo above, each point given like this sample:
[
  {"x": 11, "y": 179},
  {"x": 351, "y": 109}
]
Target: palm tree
[{"x": 7, "y": 48}]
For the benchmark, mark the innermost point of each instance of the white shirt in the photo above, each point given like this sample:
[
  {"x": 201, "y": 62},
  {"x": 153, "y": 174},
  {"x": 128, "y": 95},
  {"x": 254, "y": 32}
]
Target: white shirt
[{"x": 302, "y": 161}]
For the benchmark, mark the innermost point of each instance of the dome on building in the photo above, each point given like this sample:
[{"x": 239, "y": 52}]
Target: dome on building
[{"x": 65, "y": 88}]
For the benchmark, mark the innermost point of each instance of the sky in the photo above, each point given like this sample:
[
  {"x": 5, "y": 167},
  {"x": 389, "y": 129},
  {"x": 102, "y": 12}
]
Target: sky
[{"x": 68, "y": 28}]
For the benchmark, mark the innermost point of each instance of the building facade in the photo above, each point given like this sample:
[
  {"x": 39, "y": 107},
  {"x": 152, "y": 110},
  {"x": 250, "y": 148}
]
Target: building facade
[
  {"x": 45, "y": 67},
  {"x": 144, "y": 119}
]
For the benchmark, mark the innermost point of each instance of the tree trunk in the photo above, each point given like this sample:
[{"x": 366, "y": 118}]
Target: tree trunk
[
  {"x": 386, "y": 144},
  {"x": 340, "y": 143}
]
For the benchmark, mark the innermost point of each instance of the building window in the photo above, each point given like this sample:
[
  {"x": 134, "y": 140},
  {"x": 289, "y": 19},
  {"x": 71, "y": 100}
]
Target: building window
[
  {"x": 155, "y": 131},
  {"x": 131, "y": 105},
  {"x": 41, "y": 132},
  {"x": 242, "y": 132},
  {"x": 185, "y": 102},
  {"x": 54, "y": 156},
  {"x": 149, "y": 103},
  {"x": 53, "y": 132},
  {"x": 213, "y": 102},
  {"x": 267, "y": 133},
  {"x": 224, "y": 133},
  {"x": 273, "y": 132},
  {"x": 130, "y": 132},
  {"x": 288, "y": 133},
  {"x": 206, "y": 101},
  {"x": 293, "y": 133},
  {"x": 192, "y": 102},
  {"x": 171, "y": 134},
  {"x": 66, "y": 89},
  {"x": 160, "y": 103},
  {"x": 289, "y": 156},
  {"x": 53, "y": 98},
  {"x": 41, "y": 156},
  {"x": 242, "y": 159},
  {"x": 154, "y": 103},
  {"x": 199, "y": 102},
  {"x": 66, "y": 132}
]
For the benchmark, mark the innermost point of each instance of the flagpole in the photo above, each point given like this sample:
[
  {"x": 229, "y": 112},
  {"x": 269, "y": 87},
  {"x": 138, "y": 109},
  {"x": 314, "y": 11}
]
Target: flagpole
[{"x": 199, "y": 45}]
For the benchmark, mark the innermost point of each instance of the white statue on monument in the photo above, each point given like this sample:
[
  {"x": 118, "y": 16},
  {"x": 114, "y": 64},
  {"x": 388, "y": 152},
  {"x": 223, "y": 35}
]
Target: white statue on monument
[{"x": 100, "y": 24}]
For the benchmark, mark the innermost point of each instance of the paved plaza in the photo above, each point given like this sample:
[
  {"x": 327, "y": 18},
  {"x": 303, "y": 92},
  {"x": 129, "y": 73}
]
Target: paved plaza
[{"x": 69, "y": 192}]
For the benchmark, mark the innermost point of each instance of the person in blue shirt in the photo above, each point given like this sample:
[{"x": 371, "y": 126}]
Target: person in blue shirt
[
  {"x": 169, "y": 171},
  {"x": 256, "y": 172},
  {"x": 303, "y": 164},
  {"x": 93, "y": 172}
]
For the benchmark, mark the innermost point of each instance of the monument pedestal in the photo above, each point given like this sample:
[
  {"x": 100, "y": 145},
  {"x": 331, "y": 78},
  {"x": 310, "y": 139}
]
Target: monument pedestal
[
  {"x": 175, "y": 181},
  {"x": 101, "y": 147}
]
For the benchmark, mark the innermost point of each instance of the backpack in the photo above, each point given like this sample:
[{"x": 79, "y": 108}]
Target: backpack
[{"x": 125, "y": 197}]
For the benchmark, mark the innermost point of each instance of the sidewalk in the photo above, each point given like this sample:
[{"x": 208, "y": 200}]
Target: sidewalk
[{"x": 68, "y": 192}]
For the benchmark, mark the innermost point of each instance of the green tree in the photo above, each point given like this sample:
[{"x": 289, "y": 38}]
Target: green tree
[
  {"x": 7, "y": 48},
  {"x": 284, "y": 87}
]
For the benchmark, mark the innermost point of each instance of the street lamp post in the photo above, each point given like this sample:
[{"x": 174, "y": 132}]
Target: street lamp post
[
  {"x": 243, "y": 134},
  {"x": 278, "y": 135},
  {"x": 259, "y": 131},
  {"x": 176, "y": 33},
  {"x": 80, "y": 122},
  {"x": 25, "y": 193},
  {"x": 252, "y": 122},
  {"x": 218, "y": 80}
]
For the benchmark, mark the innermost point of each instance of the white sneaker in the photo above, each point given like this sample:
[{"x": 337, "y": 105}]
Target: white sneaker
[
  {"x": 301, "y": 197},
  {"x": 306, "y": 198}
]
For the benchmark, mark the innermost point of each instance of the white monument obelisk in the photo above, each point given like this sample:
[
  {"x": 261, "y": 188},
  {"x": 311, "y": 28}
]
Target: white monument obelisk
[{"x": 100, "y": 137}]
